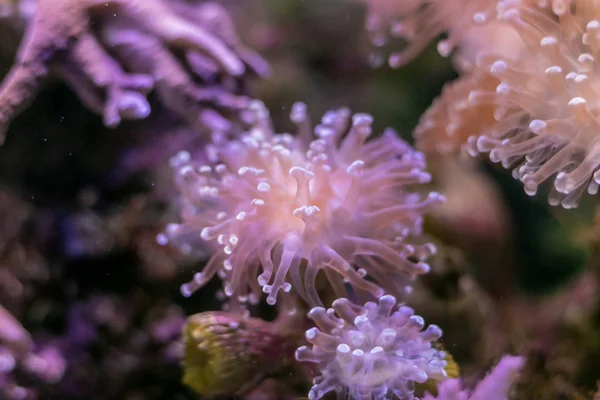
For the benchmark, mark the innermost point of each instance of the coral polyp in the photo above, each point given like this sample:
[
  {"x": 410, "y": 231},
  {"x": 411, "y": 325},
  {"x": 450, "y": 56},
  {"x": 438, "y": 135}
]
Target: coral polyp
[
  {"x": 547, "y": 103},
  {"x": 293, "y": 206},
  {"x": 373, "y": 352}
]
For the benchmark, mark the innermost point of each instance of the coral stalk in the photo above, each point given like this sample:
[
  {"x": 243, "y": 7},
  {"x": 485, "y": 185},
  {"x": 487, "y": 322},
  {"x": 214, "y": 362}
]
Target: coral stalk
[{"x": 228, "y": 354}]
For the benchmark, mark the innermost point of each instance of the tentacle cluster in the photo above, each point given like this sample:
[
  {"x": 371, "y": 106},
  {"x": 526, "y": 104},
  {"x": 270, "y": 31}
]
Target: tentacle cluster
[
  {"x": 418, "y": 22},
  {"x": 293, "y": 206},
  {"x": 18, "y": 356},
  {"x": 546, "y": 104},
  {"x": 373, "y": 352}
]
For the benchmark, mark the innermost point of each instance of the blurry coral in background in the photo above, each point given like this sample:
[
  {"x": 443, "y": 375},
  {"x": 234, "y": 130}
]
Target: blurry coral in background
[
  {"x": 495, "y": 386},
  {"x": 228, "y": 353},
  {"x": 60, "y": 36},
  {"x": 469, "y": 24},
  {"x": 45, "y": 365}
]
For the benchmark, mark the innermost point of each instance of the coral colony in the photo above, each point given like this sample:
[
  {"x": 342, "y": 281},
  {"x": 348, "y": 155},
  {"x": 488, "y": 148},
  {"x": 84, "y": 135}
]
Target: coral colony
[{"x": 326, "y": 224}]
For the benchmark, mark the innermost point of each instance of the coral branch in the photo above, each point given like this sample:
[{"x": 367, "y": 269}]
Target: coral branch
[{"x": 143, "y": 33}]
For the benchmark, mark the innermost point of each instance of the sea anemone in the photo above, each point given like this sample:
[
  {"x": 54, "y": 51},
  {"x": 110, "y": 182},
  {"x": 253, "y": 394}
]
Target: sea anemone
[
  {"x": 547, "y": 103},
  {"x": 371, "y": 352},
  {"x": 295, "y": 206}
]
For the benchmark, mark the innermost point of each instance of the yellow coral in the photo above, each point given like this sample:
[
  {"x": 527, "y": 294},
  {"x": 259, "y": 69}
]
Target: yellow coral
[{"x": 227, "y": 353}]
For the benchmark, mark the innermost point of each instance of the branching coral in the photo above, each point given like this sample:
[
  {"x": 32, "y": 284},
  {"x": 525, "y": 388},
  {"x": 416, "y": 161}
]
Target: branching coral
[
  {"x": 60, "y": 37},
  {"x": 179, "y": 88},
  {"x": 371, "y": 352},
  {"x": 547, "y": 103},
  {"x": 495, "y": 386},
  {"x": 295, "y": 206}
]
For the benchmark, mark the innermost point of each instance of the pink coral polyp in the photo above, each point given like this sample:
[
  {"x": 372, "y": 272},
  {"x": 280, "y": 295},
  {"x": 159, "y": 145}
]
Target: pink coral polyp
[
  {"x": 373, "y": 352},
  {"x": 285, "y": 207}
]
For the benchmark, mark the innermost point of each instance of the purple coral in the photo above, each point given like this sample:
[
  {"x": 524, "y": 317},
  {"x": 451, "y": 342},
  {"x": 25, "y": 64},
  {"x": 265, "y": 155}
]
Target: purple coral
[
  {"x": 495, "y": 386},
  {"x": 276, "y": 202},
  {"x": 59, "y": 38},
  {"x": 371, "y": 352},
  {"x": 18, "y": 356}
]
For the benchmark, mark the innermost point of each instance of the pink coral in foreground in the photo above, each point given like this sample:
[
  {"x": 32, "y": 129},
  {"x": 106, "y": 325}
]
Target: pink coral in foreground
[
  {"x": 294, "y": 206},
  {"x": 495, "y": 386},
  {"x": 371, "y": 352}
]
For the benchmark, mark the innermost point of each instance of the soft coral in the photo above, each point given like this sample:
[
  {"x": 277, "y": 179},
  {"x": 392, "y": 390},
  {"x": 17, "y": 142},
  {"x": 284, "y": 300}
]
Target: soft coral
[{"x": 61, "y": 36}]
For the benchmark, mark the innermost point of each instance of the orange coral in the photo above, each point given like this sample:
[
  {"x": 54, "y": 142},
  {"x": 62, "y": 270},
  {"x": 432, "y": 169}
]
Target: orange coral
[
  {"x": 547, "y": 103},
  {"x": 450, "y": 120}
]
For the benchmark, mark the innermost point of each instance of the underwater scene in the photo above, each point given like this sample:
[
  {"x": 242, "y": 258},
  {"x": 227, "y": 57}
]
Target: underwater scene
[{"x": 299, "y": 199}]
